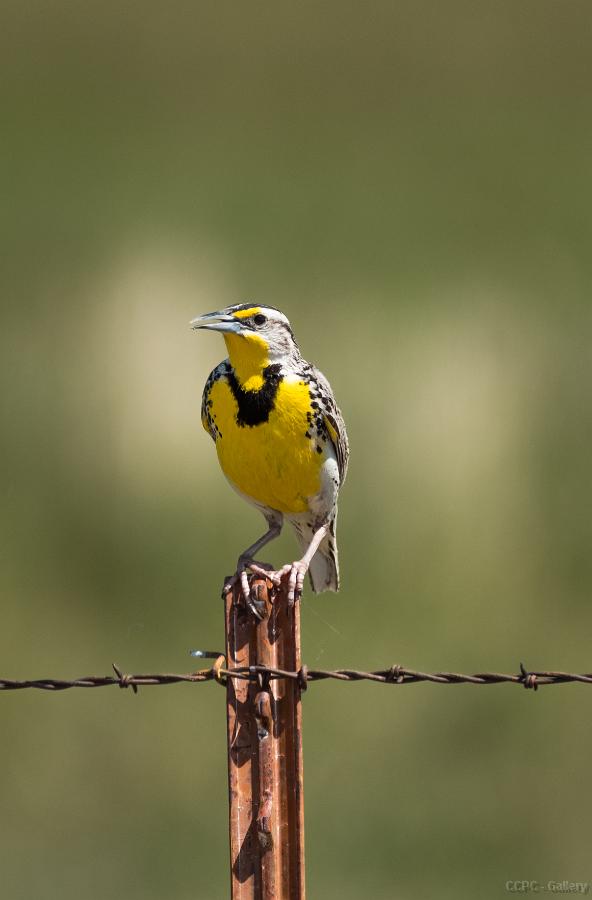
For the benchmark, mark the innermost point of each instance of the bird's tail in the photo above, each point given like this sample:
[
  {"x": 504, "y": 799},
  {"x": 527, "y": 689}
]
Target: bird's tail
[{"x": 324, "y": 568}]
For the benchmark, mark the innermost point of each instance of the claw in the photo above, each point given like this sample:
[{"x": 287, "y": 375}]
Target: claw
[
  {"x": 229, "y": 583},
  {"x": 297, "y": 570},
  {"x": 241, "y": 577}
]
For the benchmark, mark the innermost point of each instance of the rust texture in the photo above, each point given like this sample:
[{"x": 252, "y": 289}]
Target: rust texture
[{"x": 265, "y": 747}]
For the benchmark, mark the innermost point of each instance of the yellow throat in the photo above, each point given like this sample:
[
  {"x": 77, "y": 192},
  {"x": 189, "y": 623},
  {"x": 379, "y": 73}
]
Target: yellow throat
[{"x": 249, "y": 356}]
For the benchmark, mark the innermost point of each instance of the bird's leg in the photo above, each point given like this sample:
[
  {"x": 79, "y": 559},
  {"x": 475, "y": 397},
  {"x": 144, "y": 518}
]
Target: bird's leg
[
  {"x": 246, "y": 561},
  {"x": 299, "y": 568}
]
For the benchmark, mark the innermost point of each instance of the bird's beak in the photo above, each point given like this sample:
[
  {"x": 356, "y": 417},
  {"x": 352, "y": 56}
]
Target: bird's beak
[{"x": 217, "y": 321}]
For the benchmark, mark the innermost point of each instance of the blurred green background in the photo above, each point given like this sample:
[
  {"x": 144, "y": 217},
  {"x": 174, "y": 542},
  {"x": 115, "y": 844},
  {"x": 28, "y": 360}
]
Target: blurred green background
[{"x": 411, "y": 183}]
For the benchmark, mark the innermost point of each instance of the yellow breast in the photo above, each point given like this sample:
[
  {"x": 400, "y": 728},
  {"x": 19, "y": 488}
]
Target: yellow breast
[{"x": 272, "y": 462}]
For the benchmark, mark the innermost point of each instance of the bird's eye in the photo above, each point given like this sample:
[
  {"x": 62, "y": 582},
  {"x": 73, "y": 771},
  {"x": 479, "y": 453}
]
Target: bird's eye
[{"x": 259, "y": 319}]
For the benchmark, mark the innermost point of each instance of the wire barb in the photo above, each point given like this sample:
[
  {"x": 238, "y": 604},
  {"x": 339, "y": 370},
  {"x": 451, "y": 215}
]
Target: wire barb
[
  {"x": 529, "y": 679},
  {"x": 124, "y": 680}
]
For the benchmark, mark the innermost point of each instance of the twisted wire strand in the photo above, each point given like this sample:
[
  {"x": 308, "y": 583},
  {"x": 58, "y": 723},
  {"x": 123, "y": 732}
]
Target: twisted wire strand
[{"x": 396, "y": 675}]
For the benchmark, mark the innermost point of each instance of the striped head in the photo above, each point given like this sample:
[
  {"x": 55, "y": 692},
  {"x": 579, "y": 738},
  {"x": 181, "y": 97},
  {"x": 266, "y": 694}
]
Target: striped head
[{"x": 255, "y": 336}]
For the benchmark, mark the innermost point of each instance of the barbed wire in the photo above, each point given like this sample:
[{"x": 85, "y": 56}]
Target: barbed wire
[{"x": 396, "y": 675}]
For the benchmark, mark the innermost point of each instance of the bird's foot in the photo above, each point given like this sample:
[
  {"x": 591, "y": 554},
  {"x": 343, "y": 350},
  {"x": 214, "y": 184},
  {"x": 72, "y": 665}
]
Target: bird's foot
[
  {"x": 296, "y": 572},
  {"x": 265, "y": 570}
]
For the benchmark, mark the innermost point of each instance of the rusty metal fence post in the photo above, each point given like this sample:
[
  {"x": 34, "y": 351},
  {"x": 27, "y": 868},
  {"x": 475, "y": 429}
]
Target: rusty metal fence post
[{"x": 265, "y": 748}]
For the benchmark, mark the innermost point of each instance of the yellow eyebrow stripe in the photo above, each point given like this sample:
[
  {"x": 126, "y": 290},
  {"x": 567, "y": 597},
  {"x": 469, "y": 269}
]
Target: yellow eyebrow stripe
[{"x": 245, "y": 313}]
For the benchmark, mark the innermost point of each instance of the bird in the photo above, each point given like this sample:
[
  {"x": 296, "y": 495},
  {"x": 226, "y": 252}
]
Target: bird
[{"x": 281, "y": 442}]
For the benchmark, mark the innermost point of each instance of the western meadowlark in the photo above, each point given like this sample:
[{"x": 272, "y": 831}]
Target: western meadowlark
[{"x": 280, "y": 438}]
